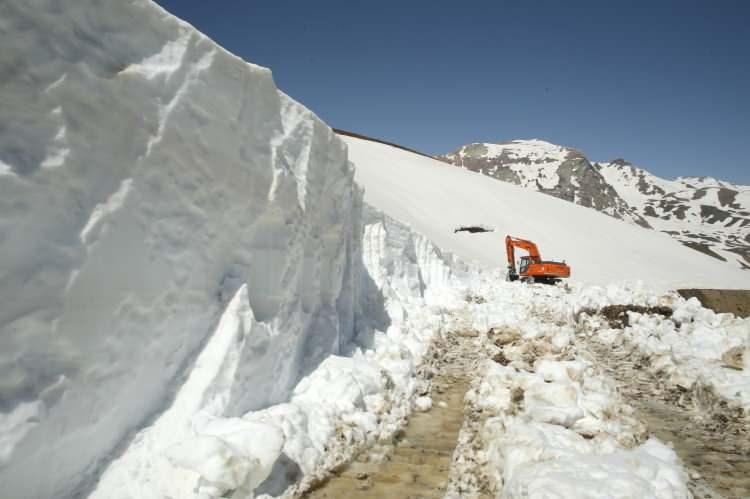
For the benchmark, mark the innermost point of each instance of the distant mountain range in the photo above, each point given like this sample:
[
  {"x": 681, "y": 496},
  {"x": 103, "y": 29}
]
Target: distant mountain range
[{"x": 708, "y": 215}]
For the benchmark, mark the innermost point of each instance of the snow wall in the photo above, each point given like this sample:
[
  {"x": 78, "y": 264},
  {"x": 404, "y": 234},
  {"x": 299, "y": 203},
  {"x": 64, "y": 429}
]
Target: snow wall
[{"x": 146, "y": 176}]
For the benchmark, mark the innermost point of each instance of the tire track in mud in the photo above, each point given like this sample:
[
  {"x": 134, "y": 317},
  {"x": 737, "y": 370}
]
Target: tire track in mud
[
  {"x": 416, "y": 464},
  {"x": 711, "y": 438}
]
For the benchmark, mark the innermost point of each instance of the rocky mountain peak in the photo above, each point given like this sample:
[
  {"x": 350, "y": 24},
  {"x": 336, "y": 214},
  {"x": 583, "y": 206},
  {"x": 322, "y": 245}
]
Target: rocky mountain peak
[{"x": 556, "y": 170}]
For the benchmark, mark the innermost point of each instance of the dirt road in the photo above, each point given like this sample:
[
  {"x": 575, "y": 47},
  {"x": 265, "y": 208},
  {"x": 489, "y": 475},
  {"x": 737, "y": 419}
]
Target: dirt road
[
  {"x": 734, "y": 301},
  {"x": 416, "y": 464},
  {"x": 712, "y": 439}
]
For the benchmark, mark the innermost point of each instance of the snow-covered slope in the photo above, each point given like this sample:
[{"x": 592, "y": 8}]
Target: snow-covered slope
[
  {"x": 435, "y": 197},
  {"x": 705, "y": 214}
]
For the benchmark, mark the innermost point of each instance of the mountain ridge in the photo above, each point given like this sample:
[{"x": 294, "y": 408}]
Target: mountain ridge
[{"x": 704, "y": 213}]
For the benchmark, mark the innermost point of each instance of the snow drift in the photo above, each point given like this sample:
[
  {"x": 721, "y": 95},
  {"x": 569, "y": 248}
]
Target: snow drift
[{"x": 434, "y": 197}]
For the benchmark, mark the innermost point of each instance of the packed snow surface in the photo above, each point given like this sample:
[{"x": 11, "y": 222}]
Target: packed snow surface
[{"x": 434, "y": 198}]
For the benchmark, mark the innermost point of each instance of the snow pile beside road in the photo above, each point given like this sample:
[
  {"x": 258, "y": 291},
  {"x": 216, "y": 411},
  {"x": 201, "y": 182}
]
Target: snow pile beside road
[
  {"x": 690, "y": 348},
  {"x": 546, "y": 422},
  {"x": 201, "y": 447}
]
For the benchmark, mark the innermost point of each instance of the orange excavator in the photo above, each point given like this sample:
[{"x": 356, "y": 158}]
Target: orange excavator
[{"x": 532, "y": 268}]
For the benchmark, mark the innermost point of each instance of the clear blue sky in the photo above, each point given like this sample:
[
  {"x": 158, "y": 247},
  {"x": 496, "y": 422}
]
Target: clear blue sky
[{"x": 664, "y": 84}]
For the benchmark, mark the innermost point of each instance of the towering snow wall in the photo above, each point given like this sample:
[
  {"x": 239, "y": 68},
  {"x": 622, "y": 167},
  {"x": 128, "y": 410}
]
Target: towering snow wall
[
  {"x": 146, "y": 175},
  {"x": 200, "y": 446}
]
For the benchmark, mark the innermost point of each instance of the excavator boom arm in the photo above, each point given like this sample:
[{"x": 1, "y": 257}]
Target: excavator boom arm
[{"x": 514, "y": 242}]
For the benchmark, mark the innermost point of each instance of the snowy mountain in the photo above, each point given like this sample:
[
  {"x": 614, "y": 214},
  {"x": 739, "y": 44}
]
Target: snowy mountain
[
  {"x": 434, "y": 198},
  {"x": 705, "y": 214}
]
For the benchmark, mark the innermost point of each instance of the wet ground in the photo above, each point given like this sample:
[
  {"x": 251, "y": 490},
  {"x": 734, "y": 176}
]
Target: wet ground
[
  {"x": 733, "y": 301},
  {"x": 711, "y": 438},
  {"x": 416, "y": 464}
]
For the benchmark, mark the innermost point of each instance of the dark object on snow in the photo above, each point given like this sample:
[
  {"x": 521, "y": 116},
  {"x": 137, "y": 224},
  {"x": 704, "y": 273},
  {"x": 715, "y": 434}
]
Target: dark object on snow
[{"x": 473, "y": 228}]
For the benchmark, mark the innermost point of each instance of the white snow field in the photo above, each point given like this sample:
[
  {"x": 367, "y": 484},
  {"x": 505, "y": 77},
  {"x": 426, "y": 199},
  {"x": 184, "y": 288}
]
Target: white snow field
[{"x": 433, "y": 198}]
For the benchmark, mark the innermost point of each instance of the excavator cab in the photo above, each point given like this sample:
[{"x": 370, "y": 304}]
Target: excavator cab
[{"x": 523, "y": 264}]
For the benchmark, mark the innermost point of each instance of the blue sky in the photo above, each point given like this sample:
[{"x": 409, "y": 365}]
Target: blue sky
[{"x": 664, "y": 84}]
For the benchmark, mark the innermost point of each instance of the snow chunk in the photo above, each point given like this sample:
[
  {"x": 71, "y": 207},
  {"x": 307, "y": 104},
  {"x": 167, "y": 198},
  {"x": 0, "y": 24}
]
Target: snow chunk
[
  {"x": 423, "y": 404},
  {"x": 231, "y": 454},
  {"x": 550, "y": 467}
]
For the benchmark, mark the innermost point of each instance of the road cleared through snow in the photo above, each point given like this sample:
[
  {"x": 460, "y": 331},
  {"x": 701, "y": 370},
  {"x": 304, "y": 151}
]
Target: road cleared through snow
[{"x": 417, "y": 463}]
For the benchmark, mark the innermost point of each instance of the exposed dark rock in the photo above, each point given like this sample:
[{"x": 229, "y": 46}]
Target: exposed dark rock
[
  {"x": 650, "y": 212},
  {"x": 712, "y": 214},
  {"x": 727, "y": 197},
  {"x": 703, "y": 248}
]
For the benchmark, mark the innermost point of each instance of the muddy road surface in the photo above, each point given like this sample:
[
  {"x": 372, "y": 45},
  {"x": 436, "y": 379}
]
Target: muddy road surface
[
  {"x": 416, "y": 464},
  {"x": 711, "y": 437},
  {"x": 733, "y": 301}
]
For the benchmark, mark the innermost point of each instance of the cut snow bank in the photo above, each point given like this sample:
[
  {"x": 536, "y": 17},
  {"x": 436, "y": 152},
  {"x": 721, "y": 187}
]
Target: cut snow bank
[
  {"x": 180, "y": 243},
  {"x": 434, "y": 198},
  {"x": 201, "y": 447}
]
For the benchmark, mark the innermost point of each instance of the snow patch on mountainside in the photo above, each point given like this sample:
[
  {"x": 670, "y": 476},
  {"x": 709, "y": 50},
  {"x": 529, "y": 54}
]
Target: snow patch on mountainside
[
  {"x": 703, "y": 213},
  {"x": 517, "y": 154}
]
